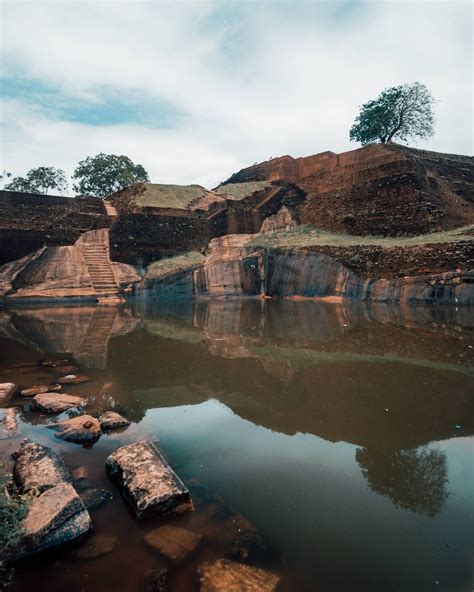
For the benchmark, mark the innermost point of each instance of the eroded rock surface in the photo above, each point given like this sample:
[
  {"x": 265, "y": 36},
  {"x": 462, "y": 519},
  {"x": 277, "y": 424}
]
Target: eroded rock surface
[
  {"x": 110, "y": 420},
  {"x": 147, "y": 480},
  {"x": 56, "y": 403},
  {"x": 39, "y": 389},
  {"x": 173, "y": 542},
  {"x": 55, "y": 517},
  {"x": 37, "y": 468},
  {"x": 7, "y": 390},
  {"x": 84, "y": 427},
  {"x": 228, "y": 576}
]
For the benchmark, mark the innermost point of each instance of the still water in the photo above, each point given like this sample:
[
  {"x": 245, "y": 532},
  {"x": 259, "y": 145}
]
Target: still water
[{"x": 343, "y": 433}]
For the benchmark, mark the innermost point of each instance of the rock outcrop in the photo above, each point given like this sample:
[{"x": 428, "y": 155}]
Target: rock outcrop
[
  {"x": 234, "y": 268},
  {"x": 147, "y": 480},
  {"x": 381, "y": 189},
  {"x": 82, "y": 270}
]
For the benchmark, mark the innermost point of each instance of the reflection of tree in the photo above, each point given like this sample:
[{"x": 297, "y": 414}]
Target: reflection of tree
[{"x": 413, "y": 479}]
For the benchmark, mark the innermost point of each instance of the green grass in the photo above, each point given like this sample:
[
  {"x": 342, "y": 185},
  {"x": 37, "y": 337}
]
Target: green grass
[
  {"x": 168, "y": 196},
  {"x": 238, "y": 191},
  {"x": 170, "y": 265},
  {"x": 307, "y": 236}
]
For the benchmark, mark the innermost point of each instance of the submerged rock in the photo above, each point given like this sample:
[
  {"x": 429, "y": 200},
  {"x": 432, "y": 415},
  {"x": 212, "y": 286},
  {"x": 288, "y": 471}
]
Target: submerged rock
[
  {"x": 39, "y": 389},
  {"x": 250, "y": 546},
  {"x": 84, "y": 427},
  {"x": 7, "y": 390},
  {"x": 37, "y": 468},
  {"x": 110, "y": 420},
  {"x": 98, "y": 545},
  {"x": 80, "y": 473},
  {"x": 147, "y": 480},
  {"x": 94, "y": 498},
  {"x": 156, "y": 580},
  {"x": 55, "y": 517},
  {"x": 53, "y": 363},
  {"x": 65, "y": 370},
  {"x": 73, "y": 379},
  {"x": 228, "y": 576},
  {"x": 173, "y": 542},
  {"x": 56, "y": 403}
]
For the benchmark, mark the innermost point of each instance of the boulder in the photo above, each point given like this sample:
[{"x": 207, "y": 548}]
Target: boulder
[
  {"x": 7, "y": 390},
  {"x": 83, "y": 427},
  {"x": 147, "y": 480},
  {"x": 37, "y": 468},
  {"x": 94, "y": 498},
  {"x": 110, "y": 420},
  {"x": 228, "y": 576},
  {"x": 39, "y": 389},
  {"x": 55, "y": 517},
  {"x": 73, "y": 379},
  {"x": 173, "y": 542},
  {"x": 57, "y": 403}
]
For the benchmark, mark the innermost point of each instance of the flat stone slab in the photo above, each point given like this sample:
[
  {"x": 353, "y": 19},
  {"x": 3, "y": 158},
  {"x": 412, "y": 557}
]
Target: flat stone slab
[
  {"x": 147, "y": 480},
  {"x": 228, "y": 576},
  {"x": 83, "y": 427},
  {"x": 73, "y": 379},
  {"x": 55, "y": 517},
  {"x": 58, "y": 402},
  {"x": 173, "y": 542},
  {"x": 7, "y": 390},
  {"x": 110, "y": 420},
  {"x": 39, "y": 389},
  {"x": 37, "y": 468}
]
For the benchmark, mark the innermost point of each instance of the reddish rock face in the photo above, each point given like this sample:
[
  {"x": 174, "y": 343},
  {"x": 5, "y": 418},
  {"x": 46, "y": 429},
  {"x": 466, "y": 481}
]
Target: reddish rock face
[{"x": 381, "y": 189}]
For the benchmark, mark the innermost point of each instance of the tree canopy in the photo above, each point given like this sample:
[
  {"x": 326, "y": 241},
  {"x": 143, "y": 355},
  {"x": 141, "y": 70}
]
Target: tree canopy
[
  {"x": 104, "y": 174},
  {"x": 398, "y": 113},
  {"x": 39, "y": 180}
]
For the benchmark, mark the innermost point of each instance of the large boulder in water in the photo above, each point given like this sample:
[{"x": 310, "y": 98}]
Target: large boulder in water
[
  {"x": 55, "y": 517},
  {"x": 37, "y": 468},
  {"x": 57, "y": 403},
  {"x": 147, "y": 480},
  {"x": 83, "y": 427}
]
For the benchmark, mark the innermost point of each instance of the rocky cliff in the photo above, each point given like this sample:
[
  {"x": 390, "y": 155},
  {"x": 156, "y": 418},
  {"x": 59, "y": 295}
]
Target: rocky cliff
[
  {"x": 381, "y": 189},
  {"x": 235, "y": 269}
]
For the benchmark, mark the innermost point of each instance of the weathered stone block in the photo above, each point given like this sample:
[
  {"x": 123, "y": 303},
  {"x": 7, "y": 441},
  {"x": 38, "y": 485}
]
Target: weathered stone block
[
  {"x": 37, "y": 468},
  {"x": 147, "y": 480},
  {"x": 228, "y": 576},
  {"x": 57, "y": 403}
]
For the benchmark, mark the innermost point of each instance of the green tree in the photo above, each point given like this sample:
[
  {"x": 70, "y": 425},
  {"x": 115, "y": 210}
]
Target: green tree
[
  {"x": 39, "y": 180},
  {"x": 105, "y": 174},
  {"x": 398, "y": 113}
]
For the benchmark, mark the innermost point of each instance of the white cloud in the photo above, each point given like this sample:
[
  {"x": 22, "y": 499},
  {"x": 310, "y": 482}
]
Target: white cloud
[{"x": 249, "y": 80}]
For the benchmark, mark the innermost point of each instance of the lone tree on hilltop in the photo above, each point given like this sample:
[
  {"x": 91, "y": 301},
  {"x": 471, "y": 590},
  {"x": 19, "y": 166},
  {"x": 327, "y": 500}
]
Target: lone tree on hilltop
[
  {"x": 104, "y": 174},
  {"x": 398, "y": 113},
  {"x": 39, "y": 180}
]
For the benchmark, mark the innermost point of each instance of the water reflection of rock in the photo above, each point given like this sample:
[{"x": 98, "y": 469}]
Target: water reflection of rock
[
  {"x": 83, "y": 331},
  {"x": 415, "y": 480}
]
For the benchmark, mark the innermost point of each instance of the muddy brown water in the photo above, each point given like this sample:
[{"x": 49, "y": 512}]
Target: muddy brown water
[{"x": 342, "y": 433}]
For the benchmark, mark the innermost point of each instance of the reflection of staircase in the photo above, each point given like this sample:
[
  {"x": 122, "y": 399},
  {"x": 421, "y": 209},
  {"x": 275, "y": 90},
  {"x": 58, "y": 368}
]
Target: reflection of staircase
[
  {"x": 96, "y": 255},
  {"x": 93, "y": 349}
]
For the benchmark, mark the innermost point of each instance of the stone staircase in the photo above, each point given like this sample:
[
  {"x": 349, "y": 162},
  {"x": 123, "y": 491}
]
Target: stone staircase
[{"x": 95, "y": 249}]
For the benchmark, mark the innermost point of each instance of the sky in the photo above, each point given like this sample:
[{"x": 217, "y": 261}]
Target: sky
[{"x": 194, "y": 91}]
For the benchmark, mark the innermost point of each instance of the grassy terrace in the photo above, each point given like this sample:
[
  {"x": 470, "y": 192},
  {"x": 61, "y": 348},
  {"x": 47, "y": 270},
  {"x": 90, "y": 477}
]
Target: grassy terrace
[
  {"x": 170, "y": 265},
  {"x": 238, "y": 191},
  {"x": 307, "y": 236},
  {"x": 168, "y": 196}
]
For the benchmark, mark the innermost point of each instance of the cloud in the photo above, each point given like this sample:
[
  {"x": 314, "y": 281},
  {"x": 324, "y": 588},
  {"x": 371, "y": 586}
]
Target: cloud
[{"x": 195, "y": 90}]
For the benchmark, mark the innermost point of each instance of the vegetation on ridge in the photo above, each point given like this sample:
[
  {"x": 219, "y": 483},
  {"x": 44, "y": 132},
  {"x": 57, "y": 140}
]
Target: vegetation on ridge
[
  {"x": 169, "y": 265},
  {"x": 238, "y": 191},
  {"x": 307, "y": 236}
]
